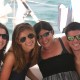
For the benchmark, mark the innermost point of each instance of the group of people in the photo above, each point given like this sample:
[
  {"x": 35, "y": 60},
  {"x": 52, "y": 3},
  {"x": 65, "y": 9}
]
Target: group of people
[{"x": 57, "y": 58}]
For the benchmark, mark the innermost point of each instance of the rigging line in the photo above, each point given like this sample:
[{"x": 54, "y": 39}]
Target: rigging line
[
  {"x": 43, "y": 3},
  {"x": 31, "y": 12}
]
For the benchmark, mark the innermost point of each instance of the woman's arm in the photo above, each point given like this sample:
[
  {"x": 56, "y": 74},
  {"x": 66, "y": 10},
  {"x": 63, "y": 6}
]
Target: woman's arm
[
  {"x": 31, "y": 75},
  {"x": 7, "y": 67}
]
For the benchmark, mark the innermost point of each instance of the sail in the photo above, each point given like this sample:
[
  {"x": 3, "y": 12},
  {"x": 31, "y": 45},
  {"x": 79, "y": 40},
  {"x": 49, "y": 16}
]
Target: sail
[
  {"x": 21, "y": 10},
  {"x": 4, "y": 11},
  {"x": 62, "y": 16},
  {"x": 75, "y": 10}
]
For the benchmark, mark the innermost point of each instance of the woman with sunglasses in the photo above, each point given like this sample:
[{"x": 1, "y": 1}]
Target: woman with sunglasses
[
  {"x": 72, "y": 32},
  {"x": 4, "y": 38},
  {"x": 55, "y": 60},
  {"x": 21, "y": 55}
]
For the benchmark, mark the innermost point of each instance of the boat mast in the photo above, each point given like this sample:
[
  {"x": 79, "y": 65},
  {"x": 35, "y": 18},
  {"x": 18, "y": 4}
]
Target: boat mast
[{"x": 14, "y": 12}]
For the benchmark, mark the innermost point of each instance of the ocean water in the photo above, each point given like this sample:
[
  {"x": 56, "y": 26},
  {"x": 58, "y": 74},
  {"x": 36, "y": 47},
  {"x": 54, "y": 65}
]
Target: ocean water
[{"x": 44, "y": 9}]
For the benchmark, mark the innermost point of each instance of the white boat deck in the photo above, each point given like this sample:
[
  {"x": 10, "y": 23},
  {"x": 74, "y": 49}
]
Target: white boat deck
[{"x": 36, "y": 72}]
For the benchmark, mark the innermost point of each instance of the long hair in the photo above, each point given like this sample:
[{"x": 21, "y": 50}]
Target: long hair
[
  {"x": 2, "y": 26},
  {"x": 17, "y": 49}
]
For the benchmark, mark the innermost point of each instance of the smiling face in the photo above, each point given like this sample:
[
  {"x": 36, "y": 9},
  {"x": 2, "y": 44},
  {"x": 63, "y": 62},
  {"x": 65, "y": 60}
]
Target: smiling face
[
  {"x": 2, "y": 40},
  {"x": 45, "y": 38},
  {"x": 74, "y": 44},
  {"x": 27, "y": 40}
]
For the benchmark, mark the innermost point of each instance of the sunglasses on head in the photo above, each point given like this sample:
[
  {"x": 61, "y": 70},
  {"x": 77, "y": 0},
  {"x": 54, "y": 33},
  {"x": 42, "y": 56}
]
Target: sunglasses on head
[
  {"x": 4, "y": 36},
  {"x": 30, "y": 36},
  {"x": 71, "y": 38},
  {"x": 44, "y": 35}
]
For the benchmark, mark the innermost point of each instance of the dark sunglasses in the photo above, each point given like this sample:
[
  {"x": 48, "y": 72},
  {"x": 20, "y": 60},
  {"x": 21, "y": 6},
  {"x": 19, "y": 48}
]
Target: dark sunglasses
[
  {"x": 44, "y": 35},
  {"x": 4, "y": 36},
  {"x": 30, "y": 36},
  {"x": 71, "y": 38}
]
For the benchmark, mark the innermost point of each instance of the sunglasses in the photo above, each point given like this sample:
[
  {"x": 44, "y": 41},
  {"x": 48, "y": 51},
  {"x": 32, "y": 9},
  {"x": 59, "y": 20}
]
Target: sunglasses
[
  {"x": 71, "y": 38},
  {"x": 4, "y": 36},
  {"x": 44, "y": 35},
  {"x": 30, "y": 36}
]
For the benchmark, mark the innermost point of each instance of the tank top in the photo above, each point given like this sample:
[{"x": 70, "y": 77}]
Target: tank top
[
  {"x": 57, "y": 65},
  {"x": 21, "y": 75}
]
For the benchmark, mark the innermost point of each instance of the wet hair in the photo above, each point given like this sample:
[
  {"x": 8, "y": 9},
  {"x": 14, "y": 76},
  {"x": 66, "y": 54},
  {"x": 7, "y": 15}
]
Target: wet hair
[
  {"x": 17, "y": 49},
  {"x": 2, "y": 26},
  {"x": 42, "y": 25},
  {"x": 72, "y": 26}
]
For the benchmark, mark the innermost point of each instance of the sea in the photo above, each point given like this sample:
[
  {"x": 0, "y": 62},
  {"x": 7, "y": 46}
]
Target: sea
[{"x": 44, "y": 10}]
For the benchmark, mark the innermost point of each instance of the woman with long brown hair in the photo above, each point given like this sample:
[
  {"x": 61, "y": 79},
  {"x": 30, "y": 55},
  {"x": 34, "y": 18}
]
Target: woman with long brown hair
[{"x": 22, "y": 53}]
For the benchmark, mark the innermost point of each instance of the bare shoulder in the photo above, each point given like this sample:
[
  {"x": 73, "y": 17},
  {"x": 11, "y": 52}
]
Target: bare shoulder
[
  {"x": 9, "y": 58},
  {"x": 64, "y": 39},
  {"x": 10, "y": 55},
  {"x": 65, "y": 42},
  {"x": 7, "y": 66}
]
